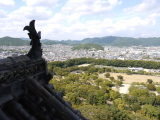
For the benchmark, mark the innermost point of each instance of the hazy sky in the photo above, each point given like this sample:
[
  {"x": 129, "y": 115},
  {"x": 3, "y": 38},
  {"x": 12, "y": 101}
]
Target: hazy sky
[{"x": 78, "y": 19}]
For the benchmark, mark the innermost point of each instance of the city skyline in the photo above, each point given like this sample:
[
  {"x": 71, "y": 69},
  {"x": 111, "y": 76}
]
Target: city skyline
[{"x": 76, "y": 20}]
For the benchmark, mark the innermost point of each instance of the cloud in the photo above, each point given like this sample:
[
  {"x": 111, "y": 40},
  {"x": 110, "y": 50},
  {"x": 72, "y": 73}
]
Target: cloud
[
  {"x": 73, "y": 22},
  {"x": 27, "y": 12},
  {"x": 98, "y": 28},
  {"x": 3, "y": 13},
  {"x": 12, "y": 24},
  {"x": 44, "y": 3},
  {"x": 89, "y": 6},
  {"x": 55, "y": 29},
  {"x": 134, "y": 27},
  {"x": 133, "y": 22},
  {"x": 7, "y": 3},
  {"x": 146, "y": 5},
  {"x": 114, "y": 2},
  {"x": 72, "y": 18},
  {"x": 154, "y": 15}
]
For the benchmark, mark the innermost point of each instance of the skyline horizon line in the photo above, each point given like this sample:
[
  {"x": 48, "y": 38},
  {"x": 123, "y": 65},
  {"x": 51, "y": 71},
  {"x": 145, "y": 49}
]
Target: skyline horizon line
[{"x": 25, "y": 38}]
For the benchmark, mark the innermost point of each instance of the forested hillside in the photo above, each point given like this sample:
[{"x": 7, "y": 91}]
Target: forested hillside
[
  {"x": 13, "y": 41},
  {"x": 9, "y": 41},
  {"x": 108, "y": 40},
  {"x": 119, "y": 41},
  {"x": 87, "y": 46},
  {"x": 52, "y": 42},
  {"x": 123, "y": 41}
]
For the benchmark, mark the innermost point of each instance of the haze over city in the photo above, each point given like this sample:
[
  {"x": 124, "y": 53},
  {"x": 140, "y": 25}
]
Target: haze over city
[{"x": 79, "y": 19}]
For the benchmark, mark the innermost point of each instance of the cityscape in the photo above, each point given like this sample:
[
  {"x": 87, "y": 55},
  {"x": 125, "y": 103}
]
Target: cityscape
[
  {"x": 60, "y": 52},
  {"x": 100, "y": 60}
]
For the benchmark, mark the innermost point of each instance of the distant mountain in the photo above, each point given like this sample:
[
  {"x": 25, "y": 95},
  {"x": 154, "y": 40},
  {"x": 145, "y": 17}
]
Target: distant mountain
[
  {"x": 101, "y": 40},
  {"x": 123, "y": 41},
  {"x": 9, "y": 41},
  {"x": 52, "y": 42},
  {"x": 44, "y": 40},
  {"x": 108, "y": 40},
  {"x": 117, "y": 41},
  {"x": 25, "y": 38},
  {"x": 72, "y": 42}
]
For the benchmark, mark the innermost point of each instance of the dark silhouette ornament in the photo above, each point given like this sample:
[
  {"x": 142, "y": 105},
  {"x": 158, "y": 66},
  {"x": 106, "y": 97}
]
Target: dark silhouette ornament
[{"x": 35, "y": 51}]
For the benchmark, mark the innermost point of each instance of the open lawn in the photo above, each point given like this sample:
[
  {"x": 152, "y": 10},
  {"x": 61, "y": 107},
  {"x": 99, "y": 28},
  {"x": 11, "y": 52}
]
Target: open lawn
[
  {"x": 128, "y": 79},
  {"x": 83, "y": 65}
]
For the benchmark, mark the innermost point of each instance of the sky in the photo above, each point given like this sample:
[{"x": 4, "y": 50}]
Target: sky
[{"x": 79, "y": 19}]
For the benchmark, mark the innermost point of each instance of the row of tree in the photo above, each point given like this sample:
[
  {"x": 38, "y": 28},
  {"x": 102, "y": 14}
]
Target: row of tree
[{"x": 105, "y": 62}]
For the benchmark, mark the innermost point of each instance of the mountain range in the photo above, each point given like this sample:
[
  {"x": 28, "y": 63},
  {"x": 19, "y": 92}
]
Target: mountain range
[{"x": 108, "y": 40}]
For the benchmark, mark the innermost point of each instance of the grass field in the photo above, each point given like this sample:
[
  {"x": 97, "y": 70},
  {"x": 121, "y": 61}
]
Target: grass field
[{"x": 128, "y": 79}]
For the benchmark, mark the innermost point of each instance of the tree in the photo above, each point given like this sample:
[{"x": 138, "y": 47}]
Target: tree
[
  {"x": 118, "y": 101},
  {"x": 98, "y": 81},
  {"x": 149, "y": 81},
  {"x": 128, "y": 72},
  {"x": 151, "y": 99},
  {"x": 111, "y": 78},
  {"x": 73, "y": 77},
  {"x": 151, "y": 87},
  {"x": 114, "y": 95},
  {"x": 140, "y": 92},
  {"x": 92, "y": 69},
  {"x": 118, "y": 83},
  {"x": 92, "y": 99},
  {"x": 121, "y": 106},
  {"x": 158, "y": 89},
  {"x": 73, "y": 98},
  {"x": 118, "y": 114},
  {"x": 107, "y": 75},
  {"x": 150, "y": 111},
  {"x": 158, "y": 99},
  {"x": 96, "y": 112},
  {"x": 108, "y": 69},
  {"x": 101, "y": 70},
  {"x": 132, "y": 87},
  {"x": 106, "y": 83},
  {"x": 136, "y": 106},
  {"x": 94, "y": 77},
  {"x": 120, "y": 77},
  {"x": 142, "y": 100},
  {"x": 137, "y": 116}
]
